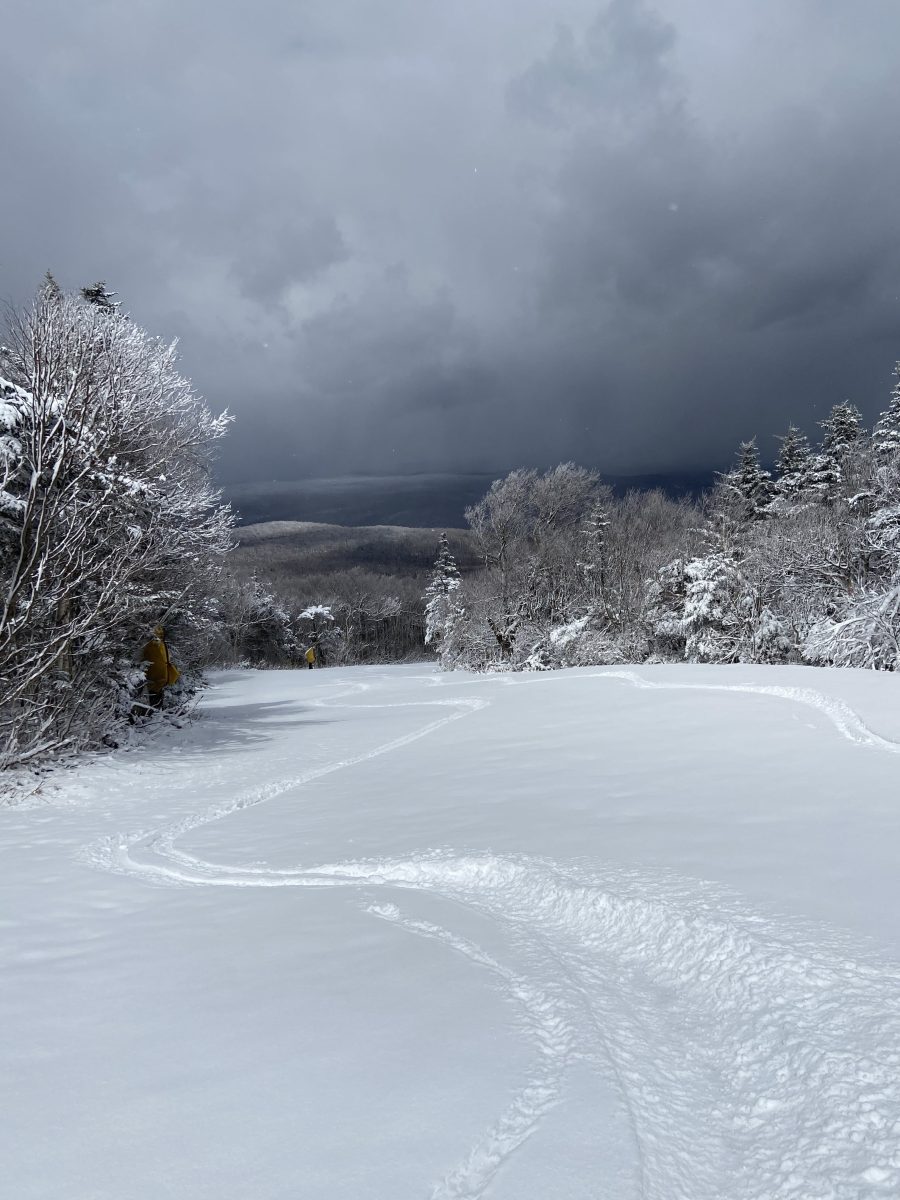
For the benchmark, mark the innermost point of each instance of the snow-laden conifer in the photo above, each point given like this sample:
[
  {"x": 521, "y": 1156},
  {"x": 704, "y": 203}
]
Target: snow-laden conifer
[
  {"x": 843, "y": 430},
  {"x": 770, "y": 639},
  {"x": 666, "y": 594},
  {"x": 748, "y": 483},
  {"x": 886, "y": 434},
  {"x": 792, "y": 464},
  {"x": 710, "y": 624},
  {"x": 443, "y": 609},
  {"x": 831, "y": 470},
  {"x": 101, "y": 296},
  {"x": 593, "y": 561}
]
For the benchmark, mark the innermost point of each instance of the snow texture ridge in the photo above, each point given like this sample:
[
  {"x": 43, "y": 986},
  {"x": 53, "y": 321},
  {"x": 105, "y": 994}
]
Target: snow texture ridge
[{"x": 752, "y": 1060}]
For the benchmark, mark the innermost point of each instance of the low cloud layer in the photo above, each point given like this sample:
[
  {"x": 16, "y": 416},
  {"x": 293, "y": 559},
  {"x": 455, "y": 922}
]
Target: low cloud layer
[{"x": 461, "y": 237}]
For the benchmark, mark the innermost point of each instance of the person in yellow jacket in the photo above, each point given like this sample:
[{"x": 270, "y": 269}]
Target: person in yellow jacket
[
  {"x": 311, "y": 657},
  {"x": 160, "y": 671}
]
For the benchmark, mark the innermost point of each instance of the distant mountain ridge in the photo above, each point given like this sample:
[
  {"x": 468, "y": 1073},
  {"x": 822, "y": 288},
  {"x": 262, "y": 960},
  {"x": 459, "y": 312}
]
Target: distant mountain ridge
[{"x": 433, "y": 501}]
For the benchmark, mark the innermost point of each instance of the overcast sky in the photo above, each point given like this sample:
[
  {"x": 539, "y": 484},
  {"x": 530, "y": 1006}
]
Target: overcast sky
[{"x": 468, "y": 234}]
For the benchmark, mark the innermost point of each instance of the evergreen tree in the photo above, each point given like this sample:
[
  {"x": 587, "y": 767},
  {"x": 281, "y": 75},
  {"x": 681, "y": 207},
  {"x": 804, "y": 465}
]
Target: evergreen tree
[
  {"x": 793, "y": 463},
  {"x": 666, "y": 594},
  {"x": 442, "y": 607},
  {"x": 769, "y": 639},
  {"x": 749, "y": 483},
  {"x": 50, "y": 288},
  {"x": 886, "y": 434},
  {"x": 824, "y": 477},
  {"x": 710, "y": 624},
  {"x": 843, "y": 429},
  {"x": 828, "y": 469},
  {"x": 594, "y": 534},
  {"x": 97, "y": 293}
]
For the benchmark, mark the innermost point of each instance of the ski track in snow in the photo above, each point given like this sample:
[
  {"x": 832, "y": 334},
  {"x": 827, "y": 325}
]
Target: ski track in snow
[
  {"x": 842, "y": 716},
  {"x": 548, "y": 1024},
  {"x": 742, "y": 1046}
]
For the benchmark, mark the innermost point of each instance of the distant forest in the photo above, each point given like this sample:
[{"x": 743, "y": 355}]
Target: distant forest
[{"x": 801, "y": 564}]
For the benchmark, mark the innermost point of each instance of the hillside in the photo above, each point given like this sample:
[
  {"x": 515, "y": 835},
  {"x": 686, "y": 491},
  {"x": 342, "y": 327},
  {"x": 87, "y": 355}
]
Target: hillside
[
  {"x": 419, "y": 500},
  {"x": 306, "y": 560}
]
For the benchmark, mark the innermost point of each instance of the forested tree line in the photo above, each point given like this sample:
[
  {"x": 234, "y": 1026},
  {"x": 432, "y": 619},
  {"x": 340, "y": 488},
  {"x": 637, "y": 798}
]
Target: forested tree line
[
  {"x": 109, "y": 524},
  {"x": 799, "y": 565},
  {"x": 371, "y": 580}
]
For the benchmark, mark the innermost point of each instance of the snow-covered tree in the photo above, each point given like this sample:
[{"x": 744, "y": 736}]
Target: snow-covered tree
[
  {"x": 527, "y": 529},
  {"x": 756, "y": 571},
  {"x": 666, "y": 595},
  {"x": 770, "y": 639},
  {"x": 886, "y": 434},
  {"x": 593, "y": 551},
  {"x": 443, "y": 608},
  {"x": 843, "y": 429},
  {"x": 831, "y": 472},
  {"x": 109, "y": 524},
  {"x": 748, "y": 484},
  {"x": 319, "y": 629},
  {"x": 883, "y": 523},
  {"x": 256, "y": 626},
  {"x": 793, "y": 464},
  {"x": 99, "y": 294},
  {"x": 864, "y": 633},
  {"x": 712, "y": 628}
]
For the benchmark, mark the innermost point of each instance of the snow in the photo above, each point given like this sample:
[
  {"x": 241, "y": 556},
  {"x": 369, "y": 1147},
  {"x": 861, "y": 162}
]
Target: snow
[
  {"x": 12, "y": 400},
  {"x": 381, "y": 932},
  {"x": 316, "y": 610}
]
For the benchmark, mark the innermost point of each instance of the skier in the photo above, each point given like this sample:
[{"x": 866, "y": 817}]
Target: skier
[
  {"x": 161, "y": 672},
  {"x": 311, "y": 657}
]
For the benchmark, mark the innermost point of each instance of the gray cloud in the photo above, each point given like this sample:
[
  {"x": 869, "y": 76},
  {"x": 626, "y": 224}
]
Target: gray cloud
[{"x": 461, "y": 237}]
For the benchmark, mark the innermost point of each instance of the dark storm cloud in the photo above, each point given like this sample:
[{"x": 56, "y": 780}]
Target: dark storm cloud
[
  {"x": 730, "y": 282},
  {"x": 424, "y": 236}
]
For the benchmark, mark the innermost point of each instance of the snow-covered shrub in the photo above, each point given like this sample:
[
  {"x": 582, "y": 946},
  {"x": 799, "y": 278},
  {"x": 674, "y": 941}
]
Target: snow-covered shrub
[
  {"x": 564, "y": 638},
  {"x": 587, "y": 642},
  {"x": 769, "y": 639},
  {"x": 866, "y": 634},
  {"x": 711, "y": 626},
  {"x": 538, "y": 660},
  {"x": 666, "y": 594}
]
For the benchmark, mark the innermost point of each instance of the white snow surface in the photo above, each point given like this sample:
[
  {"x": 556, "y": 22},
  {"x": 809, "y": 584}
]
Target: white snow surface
[{"x": 386, "y": 933}]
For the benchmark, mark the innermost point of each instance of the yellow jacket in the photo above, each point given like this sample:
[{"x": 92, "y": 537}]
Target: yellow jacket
[
  {"x": 311, "y": 655},
  {"x": 160, "y": 672}
]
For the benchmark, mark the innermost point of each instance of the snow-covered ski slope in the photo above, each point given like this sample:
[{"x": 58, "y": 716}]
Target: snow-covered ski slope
[{"x": 382, "y": 933}]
